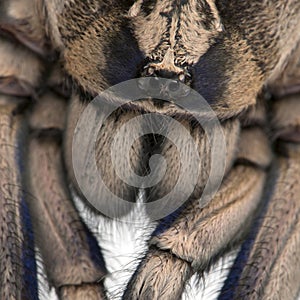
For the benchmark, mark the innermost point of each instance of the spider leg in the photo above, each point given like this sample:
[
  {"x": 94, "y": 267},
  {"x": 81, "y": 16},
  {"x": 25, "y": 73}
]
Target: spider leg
[
  {"x": 268, "y": 264},
  {"x": 19, "y": 72},
  {"x": 269, "y": 260},
  {"x": 73, "y": 259},
  {"x": 17, "y": 249},
  {"x": 199, "y": 236}
]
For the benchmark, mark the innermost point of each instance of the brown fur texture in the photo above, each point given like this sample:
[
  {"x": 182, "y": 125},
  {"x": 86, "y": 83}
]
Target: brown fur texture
[{"x": 229, "y": 52}]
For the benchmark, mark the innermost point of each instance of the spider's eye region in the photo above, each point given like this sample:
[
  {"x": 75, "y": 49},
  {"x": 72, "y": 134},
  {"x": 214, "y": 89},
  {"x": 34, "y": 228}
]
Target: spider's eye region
[
  {"x": 150, "y": 71},
  {"x": 177, "y": 88},
  {"x": 160, "y": 81},
  {"x": 174, "y": 86},
  {"x": 155, "y": 85},
  {"x": 181, "y": 77}
]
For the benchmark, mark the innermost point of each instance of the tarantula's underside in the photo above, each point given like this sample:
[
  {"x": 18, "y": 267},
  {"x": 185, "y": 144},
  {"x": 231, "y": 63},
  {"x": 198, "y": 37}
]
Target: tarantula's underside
[{"x": 231, "y": 52}]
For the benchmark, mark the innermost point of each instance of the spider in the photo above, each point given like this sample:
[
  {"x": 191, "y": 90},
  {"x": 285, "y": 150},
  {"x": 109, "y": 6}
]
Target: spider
[{"x": 243, "y": 57}]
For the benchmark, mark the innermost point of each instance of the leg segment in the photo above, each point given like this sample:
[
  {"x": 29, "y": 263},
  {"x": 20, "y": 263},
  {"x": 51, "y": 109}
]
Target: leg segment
[
  {"x": 17, "y": 263},
  {"x": 20, "y": 71},
  {"x": 268, "y": 264},
  {"x": 73, "y": 259}
]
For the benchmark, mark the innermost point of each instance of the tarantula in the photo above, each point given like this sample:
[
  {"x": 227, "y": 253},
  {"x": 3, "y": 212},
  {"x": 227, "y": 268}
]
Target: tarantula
[{"x": 243, "y": 57}]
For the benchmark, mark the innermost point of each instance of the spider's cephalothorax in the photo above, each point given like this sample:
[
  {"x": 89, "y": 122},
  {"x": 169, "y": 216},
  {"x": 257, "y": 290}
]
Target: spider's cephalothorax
[
  {"x": 230, "y": 52},
  {"x": 169, "y": 37}
]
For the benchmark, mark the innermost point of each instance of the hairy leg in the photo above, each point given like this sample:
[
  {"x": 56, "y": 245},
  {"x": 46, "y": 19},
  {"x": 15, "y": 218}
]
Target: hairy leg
[
  {"x": 268, "y": 264},
  {"x": 71, "y": 255},
  {"x": 19, "y": 71}
]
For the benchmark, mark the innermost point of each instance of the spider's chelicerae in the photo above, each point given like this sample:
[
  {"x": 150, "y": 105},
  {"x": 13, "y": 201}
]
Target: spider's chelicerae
[{"x": 233, "y": 53}]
